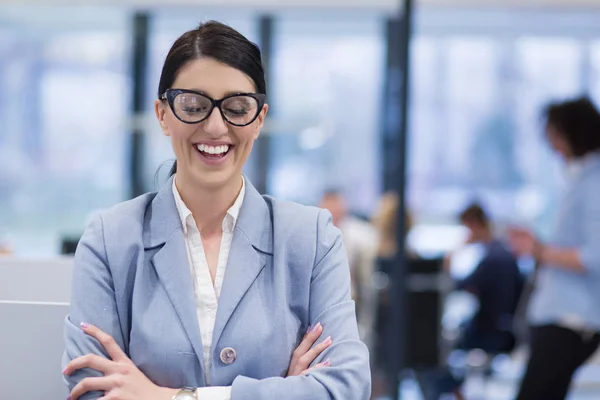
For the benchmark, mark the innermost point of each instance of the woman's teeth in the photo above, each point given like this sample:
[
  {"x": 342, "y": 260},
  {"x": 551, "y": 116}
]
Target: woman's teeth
[{"x": 213, "y": 149}]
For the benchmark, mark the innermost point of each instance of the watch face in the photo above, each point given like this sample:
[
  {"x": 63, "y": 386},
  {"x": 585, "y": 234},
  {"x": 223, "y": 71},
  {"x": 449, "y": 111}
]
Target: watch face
[{"x": 186, "y": 394}]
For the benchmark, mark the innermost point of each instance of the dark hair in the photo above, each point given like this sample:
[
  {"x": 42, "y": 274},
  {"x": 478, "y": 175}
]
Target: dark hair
[
  {"x": 218, "y": 41},
  {"x": 475, "y": 213},
  {"x": 578, "y": 122}
]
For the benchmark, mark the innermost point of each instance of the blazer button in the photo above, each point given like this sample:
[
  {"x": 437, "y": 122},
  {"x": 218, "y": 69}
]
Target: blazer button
[{"x": 228, "y": 355}]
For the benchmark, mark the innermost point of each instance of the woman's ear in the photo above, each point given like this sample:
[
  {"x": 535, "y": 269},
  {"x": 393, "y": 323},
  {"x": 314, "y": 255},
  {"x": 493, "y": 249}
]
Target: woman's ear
[
  {"x": 161, "y": 112},
  {"x": 261, "y": 120}
]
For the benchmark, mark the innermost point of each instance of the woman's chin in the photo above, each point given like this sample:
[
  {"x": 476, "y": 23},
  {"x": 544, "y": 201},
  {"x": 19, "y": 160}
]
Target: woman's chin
[{"x": 214, "y": 179}]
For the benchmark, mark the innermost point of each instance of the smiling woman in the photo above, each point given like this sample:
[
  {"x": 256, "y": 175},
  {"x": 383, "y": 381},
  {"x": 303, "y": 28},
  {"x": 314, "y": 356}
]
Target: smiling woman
[{"x": 176, "y": 294}]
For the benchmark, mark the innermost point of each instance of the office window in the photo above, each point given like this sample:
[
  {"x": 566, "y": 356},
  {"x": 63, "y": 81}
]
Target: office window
[
  {"x": 327, "y": 89},
  {"x": 595, "y": 71},
  {"x": 453, "y": 98},
  {"x": 63, "y": 112},
  {"x": 475, "y": 131}
]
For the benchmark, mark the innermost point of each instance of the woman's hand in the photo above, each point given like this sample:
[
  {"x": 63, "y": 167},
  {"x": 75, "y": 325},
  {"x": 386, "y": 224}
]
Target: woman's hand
[
  {"x": 303, "y": 356},
  {"x": 122, "y": 380},
  {"x": 523, "y": 242}
]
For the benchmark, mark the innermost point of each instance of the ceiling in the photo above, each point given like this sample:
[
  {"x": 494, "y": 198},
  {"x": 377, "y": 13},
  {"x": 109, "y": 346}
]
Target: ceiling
[{"x": 279, "y": 4}]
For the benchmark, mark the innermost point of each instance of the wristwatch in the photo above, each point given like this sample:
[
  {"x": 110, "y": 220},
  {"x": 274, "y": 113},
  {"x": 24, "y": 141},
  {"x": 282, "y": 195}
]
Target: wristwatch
[{"x": 187, "y": 393}]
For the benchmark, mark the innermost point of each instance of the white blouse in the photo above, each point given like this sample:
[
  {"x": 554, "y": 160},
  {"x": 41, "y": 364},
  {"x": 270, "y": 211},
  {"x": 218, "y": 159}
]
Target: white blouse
[{"x": 207, "y": 295}]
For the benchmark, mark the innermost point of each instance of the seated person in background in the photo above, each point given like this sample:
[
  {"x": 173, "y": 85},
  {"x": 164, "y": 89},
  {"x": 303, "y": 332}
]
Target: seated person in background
[{"x": 496, "y": 282}]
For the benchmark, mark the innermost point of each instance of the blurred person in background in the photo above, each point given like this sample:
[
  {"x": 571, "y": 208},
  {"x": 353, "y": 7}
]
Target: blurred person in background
[
  {"x": 385, "y": 221},
  {"x": 5, "y": 249},
  {"x": 564, "y": 310},
  {"x": 360, "y": 240},
  {"x": 207, "y": 290},
  {"x": 496, "y": 282},
  {"x": 5, "y": 245}
]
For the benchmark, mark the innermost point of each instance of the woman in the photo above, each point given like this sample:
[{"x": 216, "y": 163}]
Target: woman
[
  {"x": 384, "y": 220},
  {"x": 564, "y": 311},
  {"x": 205, "y": 289}
]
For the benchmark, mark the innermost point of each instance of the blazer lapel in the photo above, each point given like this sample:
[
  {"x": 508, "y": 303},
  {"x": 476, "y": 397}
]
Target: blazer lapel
[
  {"x": 250, "y": 247},
  {"x": 163, "y": 231}
]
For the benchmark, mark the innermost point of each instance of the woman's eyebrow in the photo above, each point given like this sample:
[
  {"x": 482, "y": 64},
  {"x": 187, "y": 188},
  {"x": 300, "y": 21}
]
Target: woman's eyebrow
[{"x": 228, "y": 93}]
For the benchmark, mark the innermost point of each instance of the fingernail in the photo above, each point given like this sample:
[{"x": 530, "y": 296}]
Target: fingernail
[
  {"x": 84, "y": 325},
  {"x": 327, "y": 362},
  {"x": 317, "y": 326},
  {"x": 69, "y": 398},
  {"x": 64, "y": 371},
  {"x": 328, "y": 340},
  {"x": 307, "y": 330}
]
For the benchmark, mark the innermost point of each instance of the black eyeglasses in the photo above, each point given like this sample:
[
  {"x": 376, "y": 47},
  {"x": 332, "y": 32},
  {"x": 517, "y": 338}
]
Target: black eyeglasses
[{"x": 192, "y": 107}]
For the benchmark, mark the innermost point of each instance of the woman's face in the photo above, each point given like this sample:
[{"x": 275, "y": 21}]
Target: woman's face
[
  {"x": 210, "y": 153},
  {"x": 558, "y": 142}
]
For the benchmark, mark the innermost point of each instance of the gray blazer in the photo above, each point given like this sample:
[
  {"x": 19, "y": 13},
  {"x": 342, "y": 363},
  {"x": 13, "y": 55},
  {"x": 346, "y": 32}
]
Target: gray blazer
[{"x": 287, "y": 270}]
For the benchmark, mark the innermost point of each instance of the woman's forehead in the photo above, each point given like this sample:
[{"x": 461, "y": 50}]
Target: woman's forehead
[{"x": 213, "y": 78}]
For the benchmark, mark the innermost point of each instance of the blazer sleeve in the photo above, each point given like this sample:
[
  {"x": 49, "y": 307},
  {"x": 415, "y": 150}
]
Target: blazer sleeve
[
  {"x": 349, "y": 376},
  {"x": 92, "y": 301}
]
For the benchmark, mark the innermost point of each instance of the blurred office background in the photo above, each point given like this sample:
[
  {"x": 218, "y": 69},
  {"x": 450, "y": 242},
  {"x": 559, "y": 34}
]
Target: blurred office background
[
  {"x": 480, "y": 72},
  {"x": 479, "y": 77}
]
